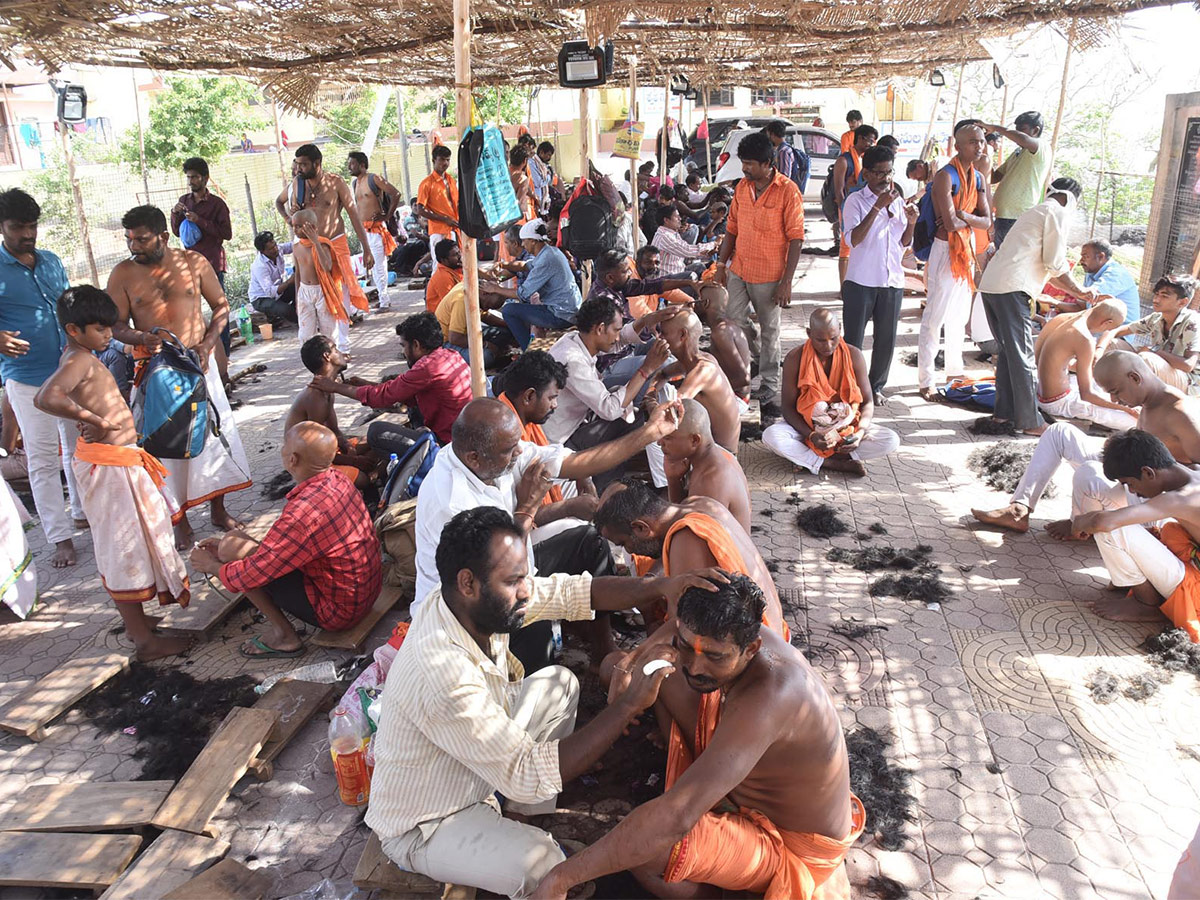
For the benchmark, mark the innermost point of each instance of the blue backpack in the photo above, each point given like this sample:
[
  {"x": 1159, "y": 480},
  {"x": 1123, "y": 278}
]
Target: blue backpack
[
  {"x": 171, "y": 410},
  {"x": 977, "y": 393},
  {"x": 410, "y": 470},
  {"x": 926, "y": 228}
]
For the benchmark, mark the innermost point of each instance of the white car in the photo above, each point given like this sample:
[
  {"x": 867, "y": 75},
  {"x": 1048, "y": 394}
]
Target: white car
[{"x": 823, "y": 148}]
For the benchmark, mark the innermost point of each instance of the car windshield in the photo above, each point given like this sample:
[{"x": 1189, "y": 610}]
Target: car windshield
[{"x": 817, "y": 144}]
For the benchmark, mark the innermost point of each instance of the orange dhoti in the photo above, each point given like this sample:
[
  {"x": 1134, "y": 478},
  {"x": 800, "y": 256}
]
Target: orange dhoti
[
  {"x": 814, "y": 386},
  {"x": 1183, "y": 606},
  {"x": 345, "y": 270},
  {"x": 379, "y": 228},
  {"x": 743, "y": 850}
]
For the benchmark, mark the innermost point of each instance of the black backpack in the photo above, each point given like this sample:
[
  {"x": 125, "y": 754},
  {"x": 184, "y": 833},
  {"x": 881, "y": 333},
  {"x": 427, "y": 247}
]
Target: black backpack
[
  {"x": 591, "y": 229},
  {"x": 385, "y": 206}
]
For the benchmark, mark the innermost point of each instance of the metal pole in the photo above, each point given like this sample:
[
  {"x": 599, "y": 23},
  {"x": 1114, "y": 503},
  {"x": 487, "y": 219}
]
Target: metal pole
[
  {"x": 665, "y": 144},
  {"x": 583, "y": 134},
  {"x": 137, "y": 108},
  {"x": 15, "y": 132},
  {"x": 84, "y": 233},
  {"x": 636, "y": 230},
  {"x": 1062, "y": 91},
  {"x": 708, "y": 139},
  {"x": 403, "y": 143},
  {"x": 470, "y": 253},
  {"x": 250, "y": 206},
  {"x": 283, "y": 178}
]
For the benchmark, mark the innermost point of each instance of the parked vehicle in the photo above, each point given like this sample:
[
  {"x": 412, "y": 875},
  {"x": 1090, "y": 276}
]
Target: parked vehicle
[
  {"x": 821, "y": 146},
  {"x": 718, "y": 130}
]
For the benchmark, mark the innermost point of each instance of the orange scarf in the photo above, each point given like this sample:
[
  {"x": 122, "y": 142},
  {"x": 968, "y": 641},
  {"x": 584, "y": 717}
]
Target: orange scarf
[
  {"x": 962, "y": 257},
  {"x": 814, "y": 386},
  {"x": 533, "y": 433},
  {"x": 856, "y": 158},
  {"x": 122, "y": 457},
  {"x": 341, "y": 260},
  {"x": 389, "y": 242},
  {"x": 331, "y": 282}
]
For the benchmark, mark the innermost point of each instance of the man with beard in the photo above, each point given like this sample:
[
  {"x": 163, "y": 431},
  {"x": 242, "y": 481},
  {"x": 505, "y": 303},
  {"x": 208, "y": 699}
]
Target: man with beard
[
  {"x": 329, "y": 196},
  {"x": 757, "y": 796},
  {"x": 462, "y": 723},
  {"x": 160, "y": 287}
]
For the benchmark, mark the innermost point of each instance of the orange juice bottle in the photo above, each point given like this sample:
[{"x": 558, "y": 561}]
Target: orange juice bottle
[{"x": 348, "y": 747}]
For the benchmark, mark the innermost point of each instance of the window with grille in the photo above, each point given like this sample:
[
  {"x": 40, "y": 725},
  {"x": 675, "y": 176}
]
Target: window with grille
[{"x": 1183, "y": 236}]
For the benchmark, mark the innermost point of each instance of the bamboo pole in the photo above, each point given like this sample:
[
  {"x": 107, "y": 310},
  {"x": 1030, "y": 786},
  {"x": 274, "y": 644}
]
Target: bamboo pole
[
  {"x": 283, "y": 178},
  {"x": 954, "y": 118},
  {"x": 932, "y": 118},
  {"x": 1003, "y": 121},
  {"x": 665, "y": 144},
  {"x": 1062, "y": 91},
  {"x": 14, "y": 131},
  {"x": 137, "y": 108},
  {"x": 584, "y": 134},
  {"x": 708, "y": 139},
  {"x": 403, "y": 144},
  {"x": 470, "y": 253},
  {"x": 84, "y": 232},
  {"x": 636, "y": 230},
  {"x": 892, "y": 91}
]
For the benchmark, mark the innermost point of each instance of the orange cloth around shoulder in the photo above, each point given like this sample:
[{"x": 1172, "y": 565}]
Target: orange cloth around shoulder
[
  {"x": 745, "y": 850},
  {"x": 331, "y": 282},
  {"x": 847, "y": 140},
  {"x": 1183, "y": 606},
  {"x": 713, "y": 533},
  {"x": 533, "y": 433},
  {"x": 439, "y": 285},
  {"x": 389, "y": 242},
  {"x": 962, "y": 257},
  {"x": 122, "y": 457},
  {"x": 341, "y": 261},
  {"x": 814, "y": 386}
]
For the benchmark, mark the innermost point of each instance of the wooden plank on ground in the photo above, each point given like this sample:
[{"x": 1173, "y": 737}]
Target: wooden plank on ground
[
  {"x": 86, "y": 806},
  {"x": 375, "y": 872},
  {"x": 296, "y": 702},
  {"x": 352, "y": 638},
  {"x": 55, "y": 693},
  {"x": 209, "y": 607},
  {"x": 226, "y": 880},
  {"x": 224, "y": 759},
  {"x": 173, "y": 859},
  {"x": 72, "y": 861}
]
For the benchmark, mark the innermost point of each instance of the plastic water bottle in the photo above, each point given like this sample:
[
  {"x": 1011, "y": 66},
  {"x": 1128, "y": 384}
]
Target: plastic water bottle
[
  {"x": 348, "y": 747},
  {"x": 393, "y": 461}
]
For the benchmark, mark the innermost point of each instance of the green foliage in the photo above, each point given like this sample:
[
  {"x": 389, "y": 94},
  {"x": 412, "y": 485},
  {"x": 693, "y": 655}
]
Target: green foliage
[
  {"x": 201, "y": 116},
  {"x": 512, "y": 101},
  {"x": 347, "y": 124}
]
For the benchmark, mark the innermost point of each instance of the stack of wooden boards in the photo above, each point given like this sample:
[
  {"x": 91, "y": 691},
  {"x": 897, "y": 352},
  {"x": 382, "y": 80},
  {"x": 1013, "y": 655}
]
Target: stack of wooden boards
[{"x": 69, "y": 835}]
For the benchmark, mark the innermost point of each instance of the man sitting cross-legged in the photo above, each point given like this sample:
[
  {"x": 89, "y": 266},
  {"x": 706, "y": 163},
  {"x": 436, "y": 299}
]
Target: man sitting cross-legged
[
  {"x": 320, "y": 561},
  {"x": 1161, "y": 572},
  {"x": 1070, "y": 339},
  {"x": 321, "y": 356},
  {"x": 695, "y": 534},
  {"x": 697, "y": 466},
  {"x": 729, "y": 344},
  {"x": 461, "y": 721},
  {"x": 1166, "y": 412},
  {"x": 757, "y": 796},
  {"x": 823, "y": 372}
]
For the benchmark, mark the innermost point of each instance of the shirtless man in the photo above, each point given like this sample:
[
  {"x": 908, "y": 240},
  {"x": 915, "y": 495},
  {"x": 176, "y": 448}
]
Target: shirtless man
[
  {"x": 1166, "y": 412},
  {"x": 757, "y": 793},
  {"x": 696, "y": 466},
  {"x": 1161, "y": 572},
  {"x": 370, "y": 211},
  {"x": 329, "y": 196},
  {"x": 729, "y": 344},
  {"x": 702, "y": 377},
  {"x": 1070, "y": 338},
  {"x": 322, "y": 357},
  {"x": 161, "y": 287},
  {"x": 645, "y": 524}
]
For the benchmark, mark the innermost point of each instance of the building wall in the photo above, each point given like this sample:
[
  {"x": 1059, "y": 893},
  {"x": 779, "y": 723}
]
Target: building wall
[{"x": 1173, "y": 232}]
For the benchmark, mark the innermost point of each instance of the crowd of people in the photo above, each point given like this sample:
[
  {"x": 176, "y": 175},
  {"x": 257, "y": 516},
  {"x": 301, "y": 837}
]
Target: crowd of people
[{"x": 599, "y": 475}]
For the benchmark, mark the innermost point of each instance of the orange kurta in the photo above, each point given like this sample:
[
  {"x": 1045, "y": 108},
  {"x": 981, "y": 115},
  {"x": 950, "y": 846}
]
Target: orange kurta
[
  {"x": 533, "y": 433},
  {"x": 814, "y": 386},
  {"x": 330, "y": 281},
  {"x": 345, "y": 270}
]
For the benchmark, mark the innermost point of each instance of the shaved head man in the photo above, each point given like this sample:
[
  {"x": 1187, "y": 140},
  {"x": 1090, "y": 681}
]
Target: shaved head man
[
  {"x": 697, "y": 466},
  {"x": 698, "y": 374},
  {"x": 320, "y": 561}
]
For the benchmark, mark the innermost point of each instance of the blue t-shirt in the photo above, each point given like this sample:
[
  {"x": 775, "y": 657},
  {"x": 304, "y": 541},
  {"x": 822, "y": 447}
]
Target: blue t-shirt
[
  {"x": 549, "y": 276},
  {"x": 28, "y": 298},
  {"x": 1116, "y": 280}
]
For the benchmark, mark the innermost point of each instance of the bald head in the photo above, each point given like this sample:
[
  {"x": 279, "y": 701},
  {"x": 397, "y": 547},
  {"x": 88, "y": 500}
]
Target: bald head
[
  {"x": 1117, "y": 364},
  {"x": 486, "y": 438},
  {"x": 308, "y": 449},
  {"x": 1126, "y": 377},
  {"x": 824, "y": 318},
  {"x": 695, "y": 420},
  {"x": 1106, "y": 315},
  {"x": 304, "y": 217}
]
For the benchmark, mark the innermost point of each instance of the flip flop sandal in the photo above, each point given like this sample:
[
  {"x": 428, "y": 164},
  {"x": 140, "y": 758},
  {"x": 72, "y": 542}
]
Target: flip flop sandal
[{"x": 268, "y": 652}]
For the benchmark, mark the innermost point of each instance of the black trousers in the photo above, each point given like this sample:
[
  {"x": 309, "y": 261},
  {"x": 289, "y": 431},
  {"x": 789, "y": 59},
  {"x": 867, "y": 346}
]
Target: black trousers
[
  {"x": 572, "y": 552},
  {"x": 280, "y": 307},
  {"x": 881, "y": 307}
]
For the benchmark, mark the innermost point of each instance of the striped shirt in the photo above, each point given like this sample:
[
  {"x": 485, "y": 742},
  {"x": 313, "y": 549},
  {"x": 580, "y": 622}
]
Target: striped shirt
[{"x": 446, "y": 738}]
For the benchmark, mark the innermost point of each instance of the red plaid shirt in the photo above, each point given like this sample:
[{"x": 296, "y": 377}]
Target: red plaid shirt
[
  {"x": 326, "y": 533},
  {"x": 440, "y": 382}
]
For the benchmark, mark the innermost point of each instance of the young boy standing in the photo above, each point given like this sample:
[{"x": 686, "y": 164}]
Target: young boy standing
[
  {"x": 319, "y": 306},
  {"x": 120, "y": 484}
]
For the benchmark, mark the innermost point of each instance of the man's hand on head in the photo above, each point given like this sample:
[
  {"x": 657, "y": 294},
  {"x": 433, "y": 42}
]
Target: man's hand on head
[{"x": 665, "y": 419}]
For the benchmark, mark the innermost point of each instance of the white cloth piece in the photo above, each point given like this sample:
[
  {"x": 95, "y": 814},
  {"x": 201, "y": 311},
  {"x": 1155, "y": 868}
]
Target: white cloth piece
[
  {"x": 217, "y": 470},
  {"x": 434, "y": 240},
  {"x": 657, "y": 462},
  {"x": 876, "y": 260},
  {"x": 314, "y": 316},
  {"x": 1034, "y": 250},
  {"x": 454, "y": 488},
  {"x": 1060, "y": 443},
  {"x": 783, "y": 439},
  {"x": 1072, "y": 406},
  {"x": 947, "y": 305},
  {"x": 18, "y": 576},
  {"x": 379, "y": 273},
  {"x": 44, "y": 434},
  {"x": 980, "y": 329},
  {"x": 1133, "y": 555}
]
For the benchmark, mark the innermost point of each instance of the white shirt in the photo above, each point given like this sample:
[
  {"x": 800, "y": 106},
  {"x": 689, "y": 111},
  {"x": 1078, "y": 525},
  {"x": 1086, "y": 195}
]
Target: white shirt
[
  {"x": 675, "y": 251},
  {"x": 446, "y": 738},
  {"x": 450, "y": 488},
  {"x": 875, "y": 262},
  {"x": 266, "y": 274},
  {"x": 585, "y": 392},
  {"x": 1034, "y": 250}
]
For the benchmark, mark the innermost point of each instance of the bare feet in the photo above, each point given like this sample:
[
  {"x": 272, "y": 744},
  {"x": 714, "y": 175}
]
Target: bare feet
[
  {"x": 185, "y": 535},
  {"x": 1126, "y": 608},
  {"x": 64, "y": 554},
  {"x": 1035, "y": 432},
  {"x": 837, "y": 463},
  {"x": 1061, "y": 531},
  {"x": 157, "y": 647},
  {"x": 220, "y": 517},
  {"x": 1014, "y": 517},
  {"x": 930, "y": 395}
]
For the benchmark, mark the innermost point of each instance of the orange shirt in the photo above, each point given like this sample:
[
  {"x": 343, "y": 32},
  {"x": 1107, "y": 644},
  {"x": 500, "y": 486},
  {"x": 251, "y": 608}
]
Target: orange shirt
[
  {"x": 847, "y": 140},
  {"x": 440, "y": 282},
  {"x": 764, "y": 225},
  {"x": 439, "y": 194}
]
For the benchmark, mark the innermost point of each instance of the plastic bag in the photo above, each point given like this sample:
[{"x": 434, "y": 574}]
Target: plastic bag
[
  {"x": 330, "y": 890},
  {"x": 367, "y": 687},
  {"x": 487, "y": 203},
  {"x": 189, "y": 233}
]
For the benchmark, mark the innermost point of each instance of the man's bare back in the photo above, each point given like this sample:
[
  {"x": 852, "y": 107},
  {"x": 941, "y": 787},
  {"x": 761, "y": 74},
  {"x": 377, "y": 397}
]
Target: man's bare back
[
  {"x": 1056, "y": 347},
  {"x": 718, "y": 476},
  {"x": 732, "y": 352},
  {"x": 167, "y": 294},
  {"x": 312, "y": 405},
  {"x": 708, "y": 384},
  {"x": 1174, "y": 418}
]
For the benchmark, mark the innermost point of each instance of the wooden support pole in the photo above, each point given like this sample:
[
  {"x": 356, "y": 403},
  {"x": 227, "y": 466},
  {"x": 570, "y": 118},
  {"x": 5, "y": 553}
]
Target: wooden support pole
[
  {"x": 584, "y": 133},
  {"x": 137, "y": 109},
  {"x": 1062, "y": 91},
  {"x": 665, "y": 144},
  {"x": 932, "y": 118},
  {"x": 636, "y": 230},
  {"x": 708, "y": 139},
  {"x": 954, "y": 118},
  {"x": 470, "y": 253},
  {"x": 14, "y": 131},
  {"x": 284, "y": 178},
  {"x": 403, "y": 144},
  {"x": 84, "y": 233},
  {"x": 1003, "y": 120}
]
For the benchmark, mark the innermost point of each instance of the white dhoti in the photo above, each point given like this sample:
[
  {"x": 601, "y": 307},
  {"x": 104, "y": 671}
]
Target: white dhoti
[
  {"x": 18, "y": 578},
  {"x": 1070, "y": 405},
  {"x": 131, "y": 524},
  {"x": 783, "y": 439},
  {"x": 947, "y": 305},
  {"x": 314, "y": 317}
]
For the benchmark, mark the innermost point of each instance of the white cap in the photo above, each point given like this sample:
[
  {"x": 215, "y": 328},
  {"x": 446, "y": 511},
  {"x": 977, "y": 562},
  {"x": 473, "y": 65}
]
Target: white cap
[{"x": 534, "y": 230}]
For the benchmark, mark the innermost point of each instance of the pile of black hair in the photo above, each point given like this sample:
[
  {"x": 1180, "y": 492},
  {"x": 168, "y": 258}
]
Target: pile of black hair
[
  {"x": 821, "y": 521},
  {"x": 881, "y": 785}
]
